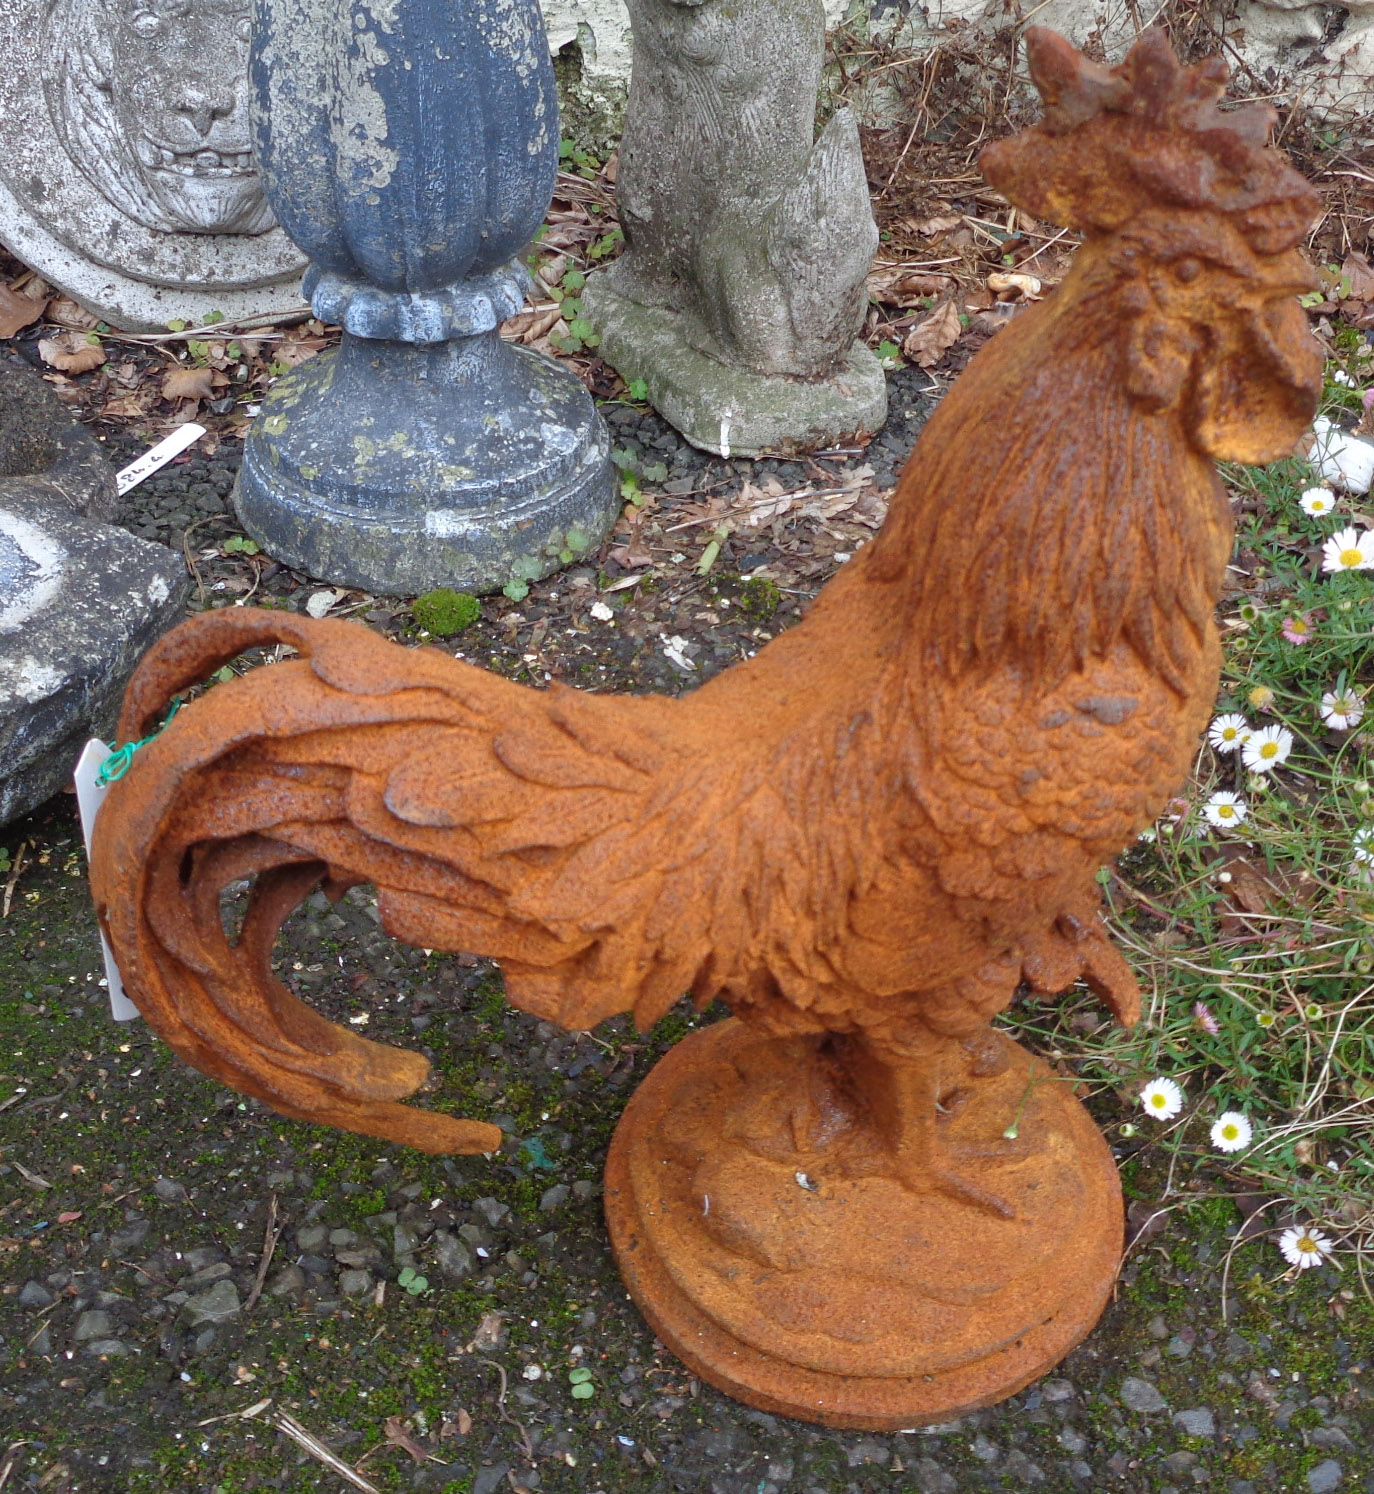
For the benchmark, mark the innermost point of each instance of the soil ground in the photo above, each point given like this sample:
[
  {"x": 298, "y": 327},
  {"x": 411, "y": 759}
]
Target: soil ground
[{"x": 137, "y": 1197}]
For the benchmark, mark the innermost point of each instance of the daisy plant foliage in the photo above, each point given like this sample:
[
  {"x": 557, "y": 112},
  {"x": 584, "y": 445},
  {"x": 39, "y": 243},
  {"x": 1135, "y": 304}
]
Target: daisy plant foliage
[{"x": 1247, "y": 910}]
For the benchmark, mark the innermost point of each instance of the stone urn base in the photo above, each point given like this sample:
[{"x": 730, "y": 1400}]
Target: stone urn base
[
  {"x": 758, "y": 1234},
  {"x": 400, "y": 467},
  {"x": 728, "y": 410}
]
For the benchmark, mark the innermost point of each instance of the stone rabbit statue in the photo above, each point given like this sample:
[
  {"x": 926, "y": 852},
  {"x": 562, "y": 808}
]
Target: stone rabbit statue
[
  {"x": 733, "y": 211},
  {"x": 752, "y": 233}
]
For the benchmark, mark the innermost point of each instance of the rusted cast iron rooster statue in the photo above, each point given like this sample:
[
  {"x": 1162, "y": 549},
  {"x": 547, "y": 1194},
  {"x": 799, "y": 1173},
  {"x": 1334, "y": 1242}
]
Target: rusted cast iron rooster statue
[{"x": 855, "y": 1202}]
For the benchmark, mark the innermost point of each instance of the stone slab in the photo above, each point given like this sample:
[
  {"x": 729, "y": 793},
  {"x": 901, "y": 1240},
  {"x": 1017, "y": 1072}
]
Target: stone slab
[
  {"x": 45, "y": 451},
  {"x": 80, "y": 600},
  {"x": 126, "y": 177},
  {"x": 731, "y": 411}
]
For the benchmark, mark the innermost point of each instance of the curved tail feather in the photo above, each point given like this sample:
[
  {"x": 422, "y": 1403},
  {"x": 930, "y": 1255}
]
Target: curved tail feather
[{"x": 197, "y": 813}]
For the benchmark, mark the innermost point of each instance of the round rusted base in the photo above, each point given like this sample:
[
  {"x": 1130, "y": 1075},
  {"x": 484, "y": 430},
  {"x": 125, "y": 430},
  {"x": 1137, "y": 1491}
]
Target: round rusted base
[{"x": 786, "y": 1281}]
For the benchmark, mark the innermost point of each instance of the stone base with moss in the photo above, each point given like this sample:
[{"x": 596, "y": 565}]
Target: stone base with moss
[
  {"x": 731, "y": 411},
  {"x": 399, "y": 468}
]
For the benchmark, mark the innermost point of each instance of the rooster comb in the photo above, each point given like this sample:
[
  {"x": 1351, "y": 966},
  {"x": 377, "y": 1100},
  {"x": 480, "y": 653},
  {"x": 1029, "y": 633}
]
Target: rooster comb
[{"x": 1116, "y": 141}]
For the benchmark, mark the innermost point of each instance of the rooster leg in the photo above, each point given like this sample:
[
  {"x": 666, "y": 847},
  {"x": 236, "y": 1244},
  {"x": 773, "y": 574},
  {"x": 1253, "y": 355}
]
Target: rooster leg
[{"x": 898, "y": 1093}]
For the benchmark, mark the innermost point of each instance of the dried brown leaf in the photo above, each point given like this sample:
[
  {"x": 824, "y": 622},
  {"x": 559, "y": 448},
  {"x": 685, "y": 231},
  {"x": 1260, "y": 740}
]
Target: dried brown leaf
[
  {"x": 71, "y": 352},
  {"x": 398, "y": 1434},
  {"x": 18, "y": 311},
  {"x": 1253, "y": 892},
  {"x": 1144, "y": 1221},
  {"x": 292, "y": 351},
  {"x": 1358, "y": 271},
  {"x": 929, "y": 227},
  {"x": 767, "y": 501},
  {"x": 127, "y": 406},
  {"x": 894, "y": 285},
  {"x": 1002, "y": 281},
  {"x": 551, "y": 271},
  {"x": 530, "y": 325},
  {"x": 66, "y": 313},
  {"x": 635, "y": 553},
  {"x": 929, "y": 339},
  {"x": 491, "y": 1331},
  {"x": 188, "y": 383},
  {"x": 1249, "y": 889}
]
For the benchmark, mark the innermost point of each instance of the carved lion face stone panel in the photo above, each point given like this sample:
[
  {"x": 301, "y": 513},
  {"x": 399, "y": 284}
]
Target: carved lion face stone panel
[
  {"x": 126, "y": 177},
  {"x": 149, "y": 99}
]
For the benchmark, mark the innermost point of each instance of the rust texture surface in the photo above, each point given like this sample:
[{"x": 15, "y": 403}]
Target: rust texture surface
[{"x": 863, "y": 840}]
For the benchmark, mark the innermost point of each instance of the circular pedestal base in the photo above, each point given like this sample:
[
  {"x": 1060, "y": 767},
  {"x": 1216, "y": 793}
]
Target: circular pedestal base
[
  {"x": 399, "y": 468},
  {"x": 790, "y": 1283}
]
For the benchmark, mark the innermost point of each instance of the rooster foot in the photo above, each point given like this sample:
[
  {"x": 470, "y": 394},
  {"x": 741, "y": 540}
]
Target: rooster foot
[
  {"x": 901, "y": 1106},
  {"x": 920, "y": 1176}
]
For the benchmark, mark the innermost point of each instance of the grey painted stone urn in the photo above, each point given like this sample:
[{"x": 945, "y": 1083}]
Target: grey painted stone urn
[{"x": 410, "y": 149}]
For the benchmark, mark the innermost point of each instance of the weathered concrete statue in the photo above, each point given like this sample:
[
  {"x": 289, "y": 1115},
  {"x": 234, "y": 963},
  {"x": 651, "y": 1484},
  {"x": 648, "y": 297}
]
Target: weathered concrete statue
[
  {"x": 410, "y": 149},
  {"x": 747, "y": 238},
  {"x": 126, "y": 171},
  {"x": 80, "y": 600},
  {"x": 855, "y": 1202}
]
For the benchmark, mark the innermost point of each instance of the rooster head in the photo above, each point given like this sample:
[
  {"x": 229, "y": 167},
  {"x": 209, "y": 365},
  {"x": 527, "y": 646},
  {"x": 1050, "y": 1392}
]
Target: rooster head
[{"x": 1191, "y": 222}]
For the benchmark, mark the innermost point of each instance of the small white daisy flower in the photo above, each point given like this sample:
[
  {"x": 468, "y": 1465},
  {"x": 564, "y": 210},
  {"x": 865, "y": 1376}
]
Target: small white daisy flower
[
  {"x": 1267, "y": 748},
  {"x": 1318, "y": 501},
  {"x": 1224, "y": 810},
  {"x": 1349, "y": 550},
  {"x": 1341, "y": 709},
  {"x": 1362, "y": 845},
  {"x": 1304, "y": 1246},
  {"x": 1229, "y": 732},
  {"x": 1231, "y": 1132},
  {"x": 1162, "y": 1098}
]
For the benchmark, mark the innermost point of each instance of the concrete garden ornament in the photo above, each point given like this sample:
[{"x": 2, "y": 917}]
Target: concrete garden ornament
[
  {"x": 126, "y": 175},
  {"x": 855, "y": 1202},
  {"x": 740, "y": 294},
  {"x": 148, "y": 101},
  {"x": 410, "y": 149},
  {"x": 80, "y": 599}
]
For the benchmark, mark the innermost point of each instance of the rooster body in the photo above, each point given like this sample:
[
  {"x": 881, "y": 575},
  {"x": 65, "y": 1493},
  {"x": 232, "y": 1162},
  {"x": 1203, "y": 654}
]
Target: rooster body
[{"x": 876, "y": 828}]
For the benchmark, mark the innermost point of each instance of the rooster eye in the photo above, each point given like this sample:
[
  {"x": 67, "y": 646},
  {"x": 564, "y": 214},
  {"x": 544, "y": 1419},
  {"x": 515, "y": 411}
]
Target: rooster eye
[{"x": 1187, "y": 270}]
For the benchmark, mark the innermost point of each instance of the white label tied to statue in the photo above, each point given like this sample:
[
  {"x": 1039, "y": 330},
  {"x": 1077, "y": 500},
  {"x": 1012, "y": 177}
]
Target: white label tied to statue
[{"x": 89, "y": 795}]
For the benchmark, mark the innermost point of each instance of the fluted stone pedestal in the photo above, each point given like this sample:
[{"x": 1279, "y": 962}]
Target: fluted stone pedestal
[{"x": 410, "y": 151}]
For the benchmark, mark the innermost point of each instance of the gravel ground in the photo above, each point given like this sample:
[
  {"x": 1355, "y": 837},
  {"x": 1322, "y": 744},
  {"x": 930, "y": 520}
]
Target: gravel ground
[
  {"x": 549, "y": 633},
  {"x": 406, "y": 1292},
  {"x": 173, "y": 1255}
]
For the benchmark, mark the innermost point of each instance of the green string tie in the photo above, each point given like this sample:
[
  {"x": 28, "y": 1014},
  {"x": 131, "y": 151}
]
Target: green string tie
[{"x": 117, "y": 764}]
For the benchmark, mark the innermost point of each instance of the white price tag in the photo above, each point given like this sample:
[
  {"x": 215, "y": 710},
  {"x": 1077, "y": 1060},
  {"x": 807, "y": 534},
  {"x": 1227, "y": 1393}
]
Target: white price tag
[
  {"x": 89, "y": 795},
  {"x": 158, "y": 456}
]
